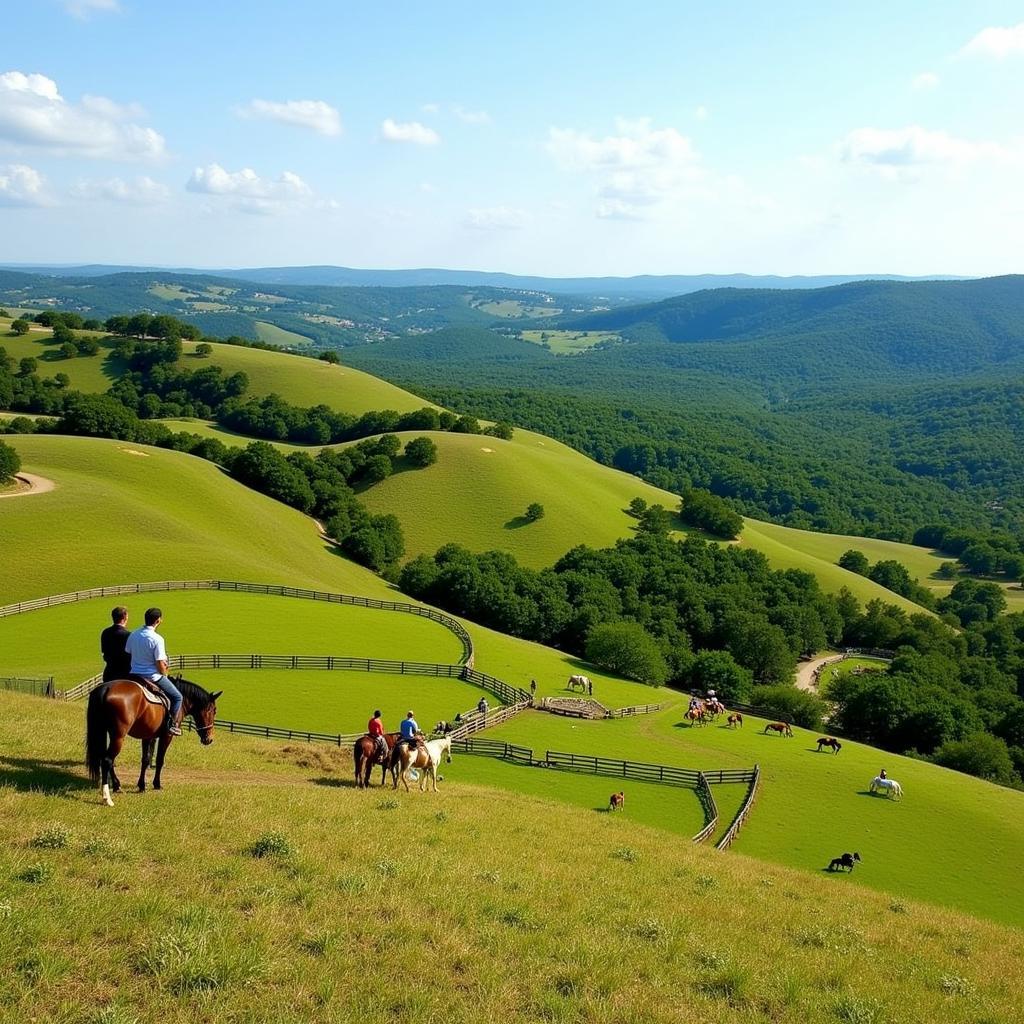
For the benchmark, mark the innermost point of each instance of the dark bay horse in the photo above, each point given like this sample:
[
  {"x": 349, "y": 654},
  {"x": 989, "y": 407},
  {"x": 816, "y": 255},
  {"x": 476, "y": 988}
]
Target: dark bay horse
[
  {"x": 831, "y": 742},
  {"x": 364, "y": 752},
  {"x": 118, "y": 709}
]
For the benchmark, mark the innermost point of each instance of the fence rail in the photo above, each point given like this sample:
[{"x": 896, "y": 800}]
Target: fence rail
[
  {"x": 635, "y": 709},
  {"x": 231, "y": 586},
  {"x": 744, "y": 812},
  {"x": 707, "y": 800},
  {"x": 477, "y": 721},
  {"x": 39, "y": 687}
]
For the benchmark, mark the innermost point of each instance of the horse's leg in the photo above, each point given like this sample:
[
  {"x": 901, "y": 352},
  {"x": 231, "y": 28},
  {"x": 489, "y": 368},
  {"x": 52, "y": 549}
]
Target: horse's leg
[
  {"x": 161, "y": 749},
  {"x": 108, "y": 776},
  {"x": 147, "y": 753}
]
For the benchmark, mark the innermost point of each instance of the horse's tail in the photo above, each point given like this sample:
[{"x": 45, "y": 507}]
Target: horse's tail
[{"x": 96, "y": 732}]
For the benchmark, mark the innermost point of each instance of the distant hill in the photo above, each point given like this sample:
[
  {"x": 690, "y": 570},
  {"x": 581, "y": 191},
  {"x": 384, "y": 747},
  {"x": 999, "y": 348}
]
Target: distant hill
[{"x": 616, "y": 288}]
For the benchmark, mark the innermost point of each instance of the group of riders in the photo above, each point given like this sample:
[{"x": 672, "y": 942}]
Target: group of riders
[
  {"x": 140, "y": 655},
  {"x": 409, "y": 733},
  {"x": 709, "y": 705}
]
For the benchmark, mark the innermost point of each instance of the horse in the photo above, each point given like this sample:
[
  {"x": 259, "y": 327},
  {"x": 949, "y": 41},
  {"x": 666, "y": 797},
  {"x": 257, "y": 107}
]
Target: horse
[
  {"x": 735, "y": 719},
  {"x": 847, "y": 860},
  {"x": 829, "y": 741},
  {"x": 697, "y": 716},
  {"x": 425, "y": 757},
  {"x": 121, "y": 708},
  {"x": 713, "y": 708},
  {"x": 617, "y": 801},
  {"x": 364, "y": 753},
  {"x": 583, "y": 682},
  {"x": 894, "y": 789},
  {"x": 782, "y": 728}
]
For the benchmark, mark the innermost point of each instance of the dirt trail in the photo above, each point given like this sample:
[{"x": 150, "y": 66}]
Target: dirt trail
[
  {"x": 30, "y": 484},
  {"x": 805, "y": 671}
]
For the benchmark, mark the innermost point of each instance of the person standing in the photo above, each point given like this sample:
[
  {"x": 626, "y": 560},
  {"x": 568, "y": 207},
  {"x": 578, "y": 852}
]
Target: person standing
[
  {"x": 117, "y": 662},
  {"x": 533, "y": 687},
  {"x": 149, "y": 661},
  {"x": 482, "y": 706}
]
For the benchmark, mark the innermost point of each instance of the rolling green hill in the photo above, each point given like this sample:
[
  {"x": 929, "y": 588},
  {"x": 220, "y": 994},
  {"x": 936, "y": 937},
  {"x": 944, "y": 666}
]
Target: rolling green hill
[{"x": 541, "y": 911}]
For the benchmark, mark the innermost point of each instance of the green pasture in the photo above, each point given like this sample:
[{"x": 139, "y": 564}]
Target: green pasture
[
  {"x": 953, "y": 839},
  {"x": 159, "y": 907},
  {"x": 570, "y": 343},
  {"x": 87, "y": 373},
  {"x": 514, "y": 309},
  {"x": 274, "y": 335},
  {"x": 170, "y": 292},
  {"x": 207, "y": 428},
  {"x": 63, "y": 641},
  {"x": 122, "y": 513},
  {"x": 846, "y": 667},
  {"x": 305, "y": 381}
]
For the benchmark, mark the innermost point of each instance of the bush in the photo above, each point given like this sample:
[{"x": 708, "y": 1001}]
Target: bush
[
  {"x": 854, "y": 561},
  {"x": 718, "y": 671},
  {"x": 534, "y": 511},
  {"x": 789, "y": 704},
  {"x": 501, "y": 430},
  {"x": 981, "y": 754},
  {"x": 329, "y": 357},
  {"x": 10, "y": 462},
  {"x": 709, "y": 512},
  {"x": 204, "y": 349},
  {"x": 271, "y": 844},
  {"x": 421, "y": 451},
  {"x": 20, "y": 327},
  {"x": 627, "y": 649}
]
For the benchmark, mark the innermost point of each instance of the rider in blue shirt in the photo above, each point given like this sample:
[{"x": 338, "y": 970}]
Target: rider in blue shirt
[
  {"x": 146, "y": 648},
  {"x": 409, "y": 728}
]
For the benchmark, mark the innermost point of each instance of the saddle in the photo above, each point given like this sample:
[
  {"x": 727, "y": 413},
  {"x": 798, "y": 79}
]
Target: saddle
[{"x": 152, "y": 692}]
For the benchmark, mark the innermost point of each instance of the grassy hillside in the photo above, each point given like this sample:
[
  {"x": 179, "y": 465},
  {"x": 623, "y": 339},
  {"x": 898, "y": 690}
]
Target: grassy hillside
[
  {"x": 274, "y": 335},
  {"x": 414, "y": 908}
]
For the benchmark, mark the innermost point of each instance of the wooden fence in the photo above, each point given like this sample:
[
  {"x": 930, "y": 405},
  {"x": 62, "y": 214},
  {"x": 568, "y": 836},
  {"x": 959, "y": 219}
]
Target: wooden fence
[
  {"x": 272, "y": 590},
  {"x": 635, "y": 709},
  {"x": 38, "y": 687},
  {"x": 744, "y": 812},
  {"x": 707, "y": 800},
  {"x": 324, "y": 663},
  {"x": 477, "y": 721}
]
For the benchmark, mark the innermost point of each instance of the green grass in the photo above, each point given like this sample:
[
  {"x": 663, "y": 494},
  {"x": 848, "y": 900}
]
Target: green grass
[
  {"x": 409, "y": 908},
  {"x": 64, "y": 641},
  {"x": 87, "y": 373},
  {"x": 813, "y": 806},
  {"x": 170, "y": 292},
  {"x": 206, "y": 428},
  {"x": 274, "y": 335},
  {"x": 568, "y": 343},
  {"x": 514, "y": 309}
]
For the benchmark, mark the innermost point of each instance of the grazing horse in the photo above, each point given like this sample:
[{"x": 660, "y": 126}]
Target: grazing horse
[
  {"x": 697, "y": 716},
  {"x": 582, "y": 682},
  {"x": 782, "y": 728},
  {"x": 120, "y": 708},
  {"x": 735, "y": 719},
  {"x": 894, "y": 789},
  {"x": 617, "y": 801},
  {"x": 829, "y": 741},
  {"x": 364, "y": 753},
  {"x": 847, "y": 860},
  {"x": 425, "y": 757}
]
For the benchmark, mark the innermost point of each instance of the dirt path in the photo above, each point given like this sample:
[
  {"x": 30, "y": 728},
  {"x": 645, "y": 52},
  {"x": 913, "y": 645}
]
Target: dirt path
[
  {"x": 805, "y": 671},
  {"x": 29, "y": 484}
]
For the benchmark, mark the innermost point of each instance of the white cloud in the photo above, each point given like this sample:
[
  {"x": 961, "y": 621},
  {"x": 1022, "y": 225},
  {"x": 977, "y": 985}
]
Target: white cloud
[
  {"x": 477, "y": 117},
  {"x": 924, "y": 81},
  {"x": 914, "y": 146},
  {"x": 316, "y": 115},
  {"x": 497, "y": 218},
  {"x": 141, "y": 191},
  {"x": 33, "y": 113},
  {"x": 618, "y": 209},
  {"x": 247, "y": 191},
  {"x": 83, "y": 9},
  {"x": 636, "y": 146},
  {"x": 21, "y": 185},
  {"x": 430, "y": 108},
  {"x": 408, "y": 131},
  {"x": 702, "y": 113},
  {"x": 996, "y": 42}
]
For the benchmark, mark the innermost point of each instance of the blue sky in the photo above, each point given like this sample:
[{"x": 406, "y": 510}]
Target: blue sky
[{"x": 557, "y": 138}]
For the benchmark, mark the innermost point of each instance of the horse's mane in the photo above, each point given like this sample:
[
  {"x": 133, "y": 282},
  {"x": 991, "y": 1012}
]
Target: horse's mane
[{"x": 193, "y": 692}]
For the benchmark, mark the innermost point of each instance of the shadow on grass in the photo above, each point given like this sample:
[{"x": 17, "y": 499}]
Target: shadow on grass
[
  {"x": 517, "y": 523},
  {"x": 29, "y": 775},
  {"x": 334, "y": 782}
]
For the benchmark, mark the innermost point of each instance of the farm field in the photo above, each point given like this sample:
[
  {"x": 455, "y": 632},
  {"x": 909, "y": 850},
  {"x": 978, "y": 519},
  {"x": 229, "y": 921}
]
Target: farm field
[
  {"x": 513, "y": 309},
  {"x": 274, "y": 335},
  {"x": 206, "y": 929},
  {"x": 926, "y": 846},
  {"x": 214, "y": 622},
  {"x": 87, "y": 373},
  {"x": 567, "y": 343}
]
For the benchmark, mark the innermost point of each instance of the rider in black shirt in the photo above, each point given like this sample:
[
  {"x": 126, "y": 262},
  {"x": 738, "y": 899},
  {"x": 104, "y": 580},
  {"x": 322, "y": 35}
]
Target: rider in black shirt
[{"x": 117, "y": 661}]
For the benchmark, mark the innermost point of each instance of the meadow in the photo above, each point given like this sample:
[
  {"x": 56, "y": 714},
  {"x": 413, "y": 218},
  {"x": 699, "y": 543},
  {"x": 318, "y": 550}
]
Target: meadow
[
  {"x": 300, "y": 898},
  {"x": 274, "y": 335},
  {"x": 569, "y": 343}
]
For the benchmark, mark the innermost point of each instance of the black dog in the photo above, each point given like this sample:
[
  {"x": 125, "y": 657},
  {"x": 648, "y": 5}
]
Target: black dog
[{"x": 846, "y": 861}]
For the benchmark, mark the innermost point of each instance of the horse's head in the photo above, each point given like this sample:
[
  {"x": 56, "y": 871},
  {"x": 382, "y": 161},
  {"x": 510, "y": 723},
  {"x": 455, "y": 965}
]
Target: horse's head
[{"x": 202, "y": 706}]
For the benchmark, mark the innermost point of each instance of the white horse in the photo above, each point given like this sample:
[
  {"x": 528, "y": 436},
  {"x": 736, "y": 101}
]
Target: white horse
[
  {"x": 425, "y": 758},
  {"x": 583, "y": 682},
  {"x": 878, "y": 785}
]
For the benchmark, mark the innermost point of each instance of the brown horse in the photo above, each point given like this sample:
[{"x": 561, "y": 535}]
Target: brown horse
[
  {"x": 829, "y": 741},
  {"x": 118, "y": 709},
  {"x": 617, "y": 801},
  {"x": 698, "y": 716},
  {"x": 735, "y": 719},
  {"x": 782, "y": 728},
  {"x": 364, "y": 752}
]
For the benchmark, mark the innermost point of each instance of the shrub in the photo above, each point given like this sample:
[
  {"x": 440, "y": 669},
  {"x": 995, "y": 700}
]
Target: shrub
[
  {"x": 20, "y": 327},
  {"x": 421, "y": 451},
  {"x": 627, "y": 649},
  {"x": 329, "y": 357},
  {"x": 534, "y": 511},
  {"x": 718, "y": 671},
  {"x": 787, "y": 703},
  {"x": 10, "y": 462},
  {"x": 854, "y": 561},
  {"x": 271, "y": 844},
  {"x": 981, "y": 754},
  {"x": 56, "y": 837}
]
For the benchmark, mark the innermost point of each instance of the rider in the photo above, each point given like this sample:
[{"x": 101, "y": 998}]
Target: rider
[
  {"x": 409, "y": 730},
  {"x": 375, "y": 728},
  {"x": 882, "y": 774},
  {"x": 149, "y": 662},
  {"x": 117, "y": 661}
]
